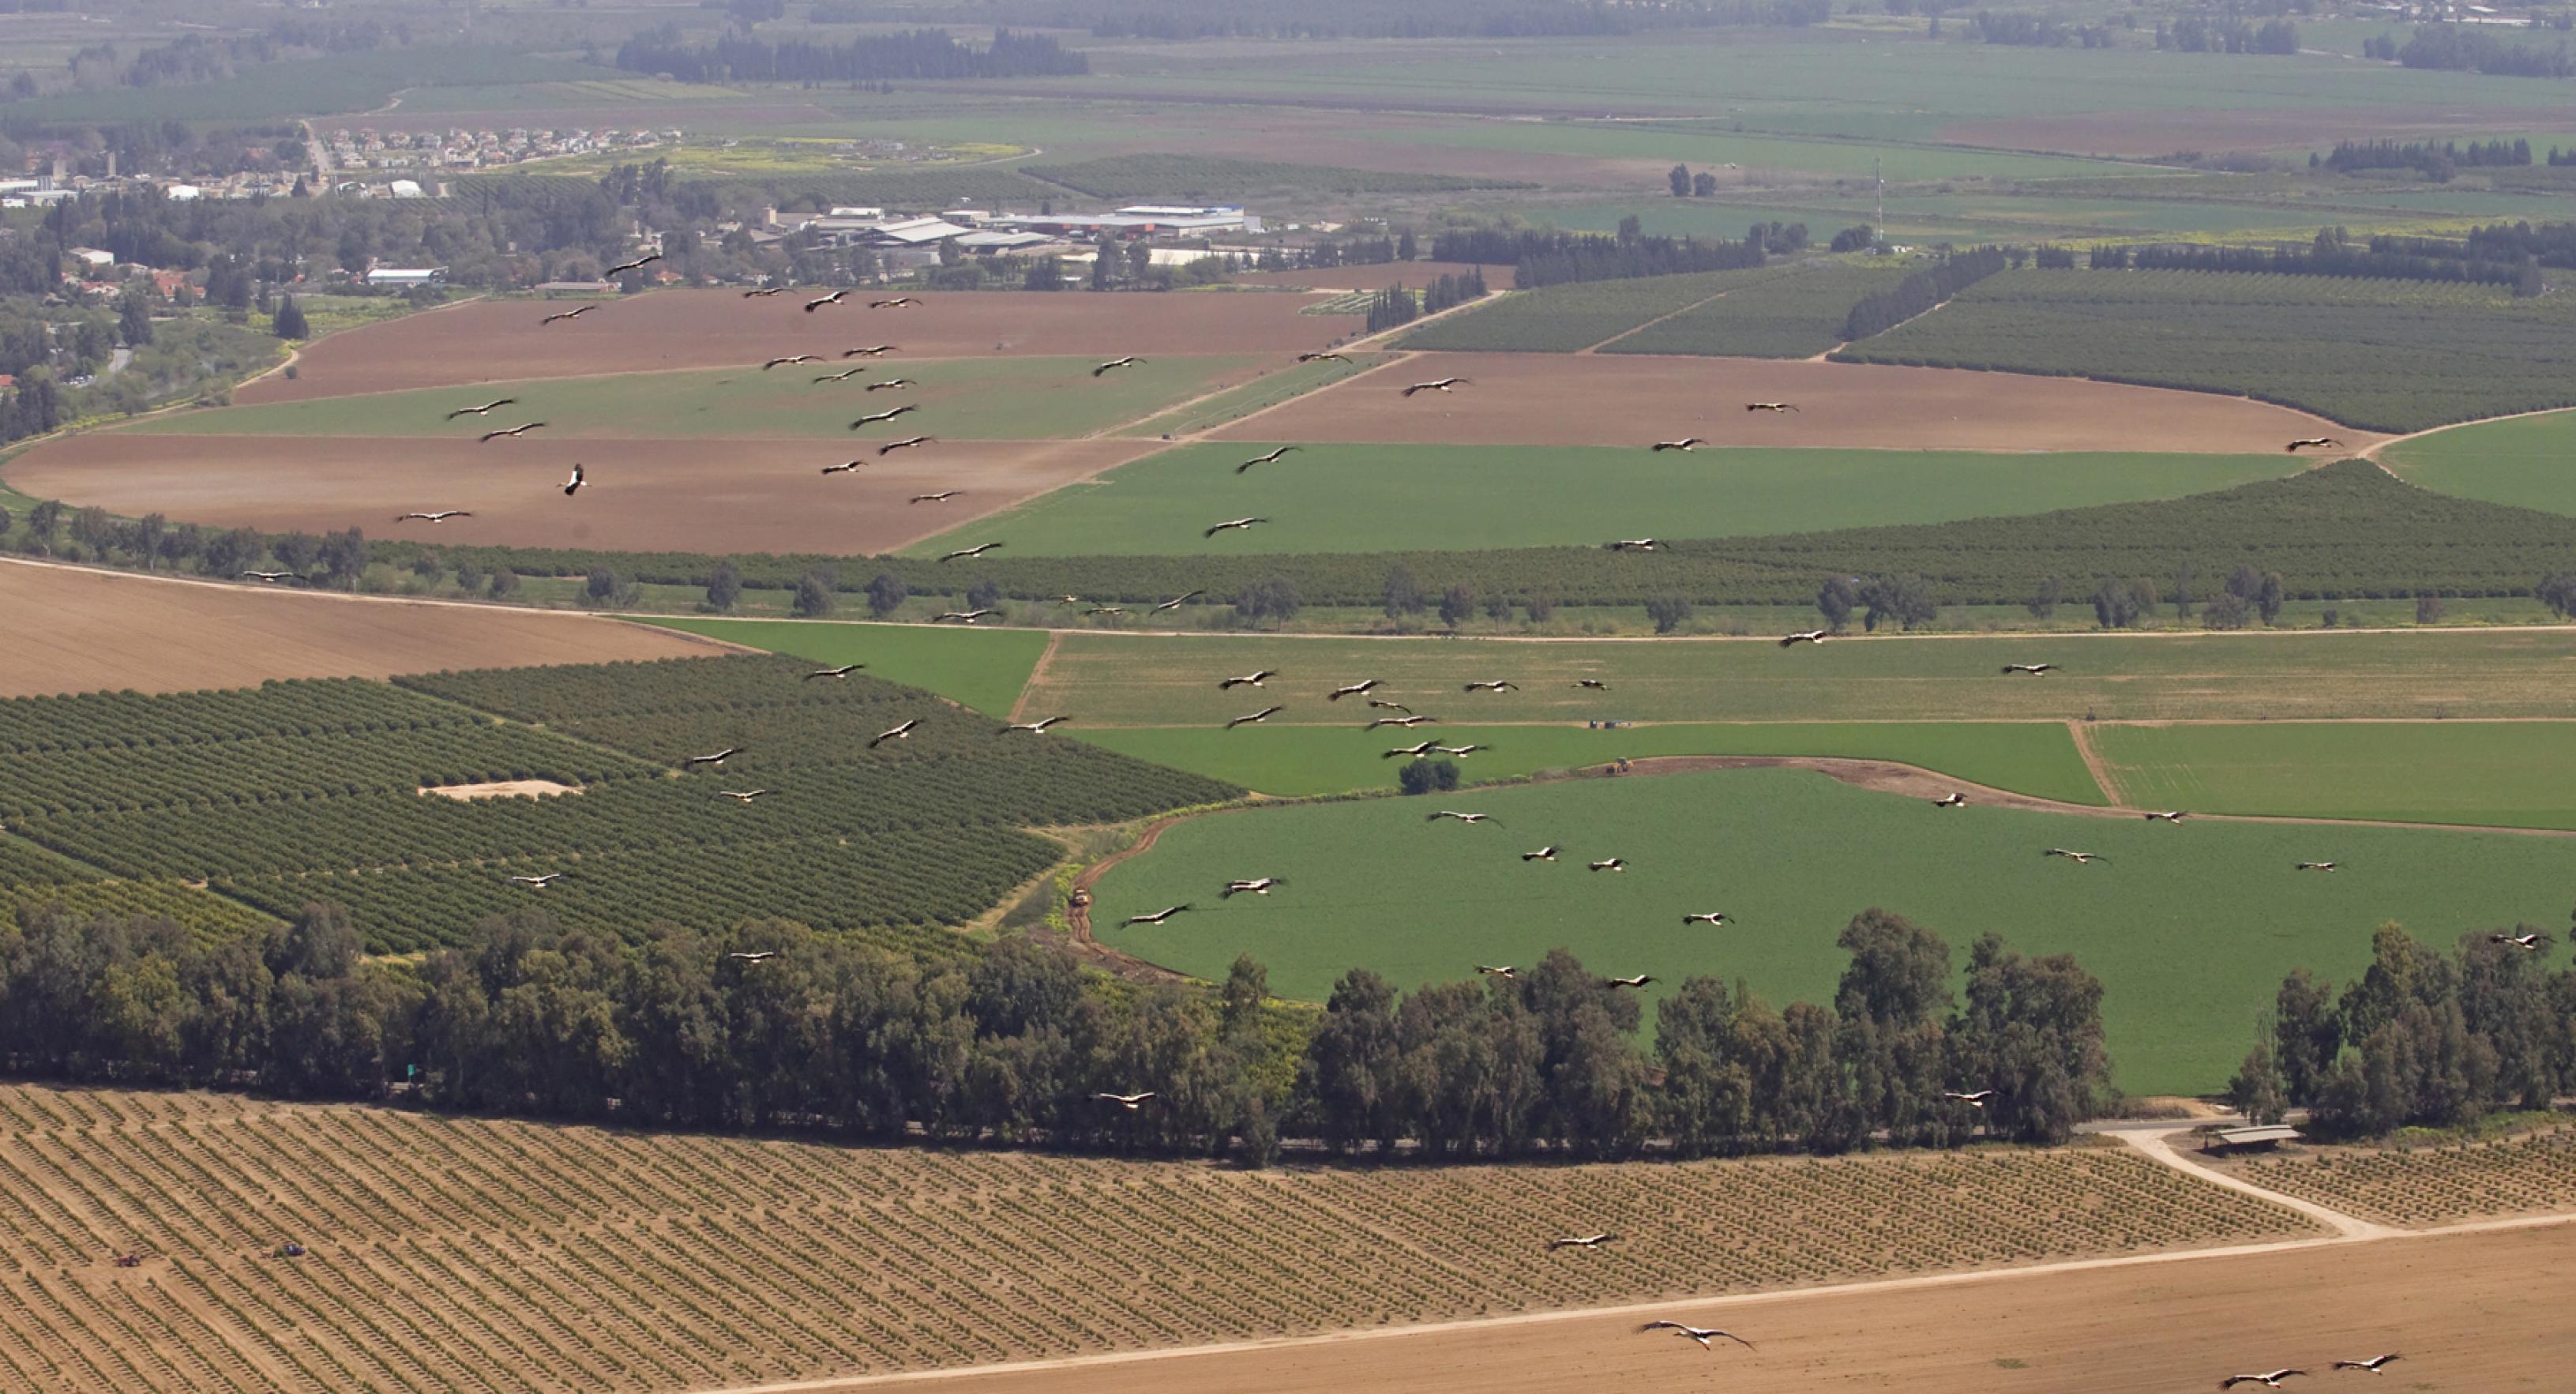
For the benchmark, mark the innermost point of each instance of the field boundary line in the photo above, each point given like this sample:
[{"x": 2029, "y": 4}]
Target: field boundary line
[
  {"x": 1037, "y": 670},
  {"x": 2371, "y": 452},
  {"x": 2156, "y": 1145},
  {"x": 1640, "y": 329},
  {"x": 2094, "y": 764},
  {"x": 1671, "y": 1306}
]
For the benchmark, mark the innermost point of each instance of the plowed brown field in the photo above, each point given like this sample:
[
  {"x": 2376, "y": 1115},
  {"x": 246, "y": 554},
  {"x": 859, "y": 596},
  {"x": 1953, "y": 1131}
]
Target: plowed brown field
[
  {"x": 643, "y": 495},
  {"x": 502, "y": 340},
  {"x": 72, "y": 630},
  {"x": 2471, "y": 1314},
  {"x": 1565, "y": 399}
]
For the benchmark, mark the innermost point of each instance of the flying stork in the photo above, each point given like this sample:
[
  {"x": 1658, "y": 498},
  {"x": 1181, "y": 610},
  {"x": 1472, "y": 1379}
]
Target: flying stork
[
  {"x": 1769, "y": 406},
  {"x": 716, "y": 759},
  {"x": 1714, "y": 918},
  {"x": 484, "y": 410},
  {"x": 1407, "y": 722},
  {"x": 1581, "y": 1241},
  {"x": 536, "y": 883},
  {"x": 2527, "y": 942},
  {"x": 2171, "y": 815},
  {"x": 871, "y": 351},
  {"x": 1686, "y": 444},
  {"x": 1975, "y": 1098},
  {"x": 1175, "y": 602},
  {"x": 1233, "y": 525},
  {"x": 1357, "y": 689},
  {"x": 1105, "y": 610},
  {"x": 789, "y": 361},
  {"x": 1638, "y": 981},
  {"x": 573, "y": 485},
  {"x": 896, "y": 303},
  {"x": 1630, "y": 544},
  {"x": 1158, "y": 916},
  {"x": 2312, "y": 443},
  {"x": 764, "y": 290},
  {"x": 2079, "y": 858},
  {"x": 942, "y": 496},
  {"x": 636, "y": 265},
  {"x": 1126, "y": 1101},
  {"x": 841, "y": 672},
  {"x": 1129, "y": 361},
  {"x": 1259, "y": 885},
  {"x": 743, "y": 795},
  {"x": 1262, "y": 715},
  {"x": 1253, "y": 679},
  {"x": 520, "y": 430},
  {"x": 1954, "y": 799},
  {"x": 2375, "y": 1364},
  {"x": 892, "y": 382},
  {"x": 1442, "y": 385},
  {"x": 820, "y": 301},
  {"x": 760, "y": 956},
  {"x": 1494, "y": 685},
  {"x": 1701, "y": 1334},
  {"x": 2034, "y": 669},
  {"x": 895, "y": 733},
  {"x": 888, "y": 414},
  {"x": 842, "y": 376},
  {"x": 2314, "y": 866},
  {"x": 440, "y": 516},
  {"x": 2270, "y": 1381},
  {"x": 568, "y": 314},
  {"x": 1593, "y": 684},
  {"x": 1383, "y": 705},
  {"x": 963, "y": 616},
  {"x": 906, "y": 443},
  {"x": 1322, "y": 358},
  {"x": 844, "y": 467},
  {"x": 270, "y": 577},
  {"x": 1503, "y": 970},
  {"x": 1464, "y": 817},
  {"x": 974, "y": 551},
  {"x": 1263, "y": 459},
  {"x": 1544, "y": 854},
  {"x": 1805, "y": 636},
  {"x": 1416, "y": 751},
  {"x": 1461, "y": 751}
]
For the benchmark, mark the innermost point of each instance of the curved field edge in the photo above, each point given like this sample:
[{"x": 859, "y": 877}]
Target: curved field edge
[
  {"x": 2519, "y": 461},
  {"x": 2188, "y": 926}
]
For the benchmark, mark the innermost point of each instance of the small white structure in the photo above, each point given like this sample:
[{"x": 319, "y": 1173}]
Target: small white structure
[
  {"x": 182, "y": 193},
  {"x": 406, "y": 277},
  {"x": 404, "y": 188},
  {"x": 92, "y": 256}
]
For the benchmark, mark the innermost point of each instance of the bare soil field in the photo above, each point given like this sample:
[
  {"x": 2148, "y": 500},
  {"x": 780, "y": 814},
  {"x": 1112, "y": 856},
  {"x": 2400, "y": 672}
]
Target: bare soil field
[
  {"x": 502, "y": 340},
  {"x": 642, "y": 495},
  {"x": 1564, "y": 399},
  {"x": 73, "y": 630},
  {"x": 509, "y": 1256},
  {"x": 2164, "y": 131},
  {"x": 1416, "y": 274},
  {"x": 2470, "y": 1313},
  {"x": 500, "y": 789}
]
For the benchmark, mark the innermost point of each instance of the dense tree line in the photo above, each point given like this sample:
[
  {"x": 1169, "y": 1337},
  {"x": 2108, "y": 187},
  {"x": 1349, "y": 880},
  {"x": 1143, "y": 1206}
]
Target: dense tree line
[
  {"x": 1011, "y": 1043},
  {"x": 1883, "y": 310},
  {"x": 2036, "y": 31},
  {"x": 2550, "y": 244},
  {"x": 2331, "y": 256},
  {"x": 2421, "y": 1038},
  {"x": 2457, "y": 48},
  {"x": 195, "y": 58},
  {"x": 2437, "y": 162},
  {"x": 2196, "y": 34},
  {"x": 1326, "y": 19},
  {"x": 918, "y": 53},
  {"x": 1552, "y": 258}
]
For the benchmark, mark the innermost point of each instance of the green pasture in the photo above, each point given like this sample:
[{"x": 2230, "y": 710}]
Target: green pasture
[
  {"x": 2190, "y": 927},
  {"x": 1702, "y": 145},
  {"x": 1283, "y": 385},
  {"x": 2524, "y": 461},
  {"x": 1001, "y": 399},
  {"x": 2496, "y": 774},
  {"x": 1794, "y": 315},
  {"x": 1375, "y": 498},
  {"x": 1106, "y": 679},
  {"x": 2036, "y": 758},
  {"x": 982, "y": 668}
]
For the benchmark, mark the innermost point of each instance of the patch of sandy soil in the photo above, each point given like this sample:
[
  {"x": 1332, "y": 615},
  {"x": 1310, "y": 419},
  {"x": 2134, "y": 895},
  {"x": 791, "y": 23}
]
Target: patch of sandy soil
[
  {"x": 643, "y": 495},
  {"x": 2469, "y": 1312},
  {"x": 506, "y": 340},
  {"x": 502, "y": 789},
  {"x": 1565, "y": 399},
  {"x": 75, "y": 630}
]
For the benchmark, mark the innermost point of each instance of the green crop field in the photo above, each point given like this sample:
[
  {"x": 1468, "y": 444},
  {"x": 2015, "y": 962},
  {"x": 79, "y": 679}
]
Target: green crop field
[
  {"x": 1004, "y": 399},
  {"x": 1374, "y": 498},
  {"x": 347, "y": 82},
  {"x": 2037, "y": 758},
  {"x": 2189, "y": 927},
  {"x": 1269, "y": 390},
  {"x": 2497, "y": 774},
  {"x": 1198, "y": 176},
  {"x": 2384, "y": 355},
  {"x": 1562, "y": 318},
  {"x": 1705, "y": 145},
  {"x": 2522, "y": 462},
  {"x": 982, "y": 668},
  {"x": 1796, "y": 315},
  {"x": 1144, "y": 680}
]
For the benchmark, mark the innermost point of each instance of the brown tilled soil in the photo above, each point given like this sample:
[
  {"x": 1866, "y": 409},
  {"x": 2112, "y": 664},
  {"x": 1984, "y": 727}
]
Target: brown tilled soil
[
  {"x": 74, "y": 630},
  {"x": 1563, "y": 399},
  {"x": 1378, "y": 277},
  {"x": 2469, "y": 1312},
  {"x": 503, "y": 340},
  {"x": 643, "y": 495},
  {"x": 2164, "y": 132}
]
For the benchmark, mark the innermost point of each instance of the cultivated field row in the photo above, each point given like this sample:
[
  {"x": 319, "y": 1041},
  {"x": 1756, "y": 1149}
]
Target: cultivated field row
[
  {"x": 2532, "y": 1173},
  {"x": 469, "y": 1254}
]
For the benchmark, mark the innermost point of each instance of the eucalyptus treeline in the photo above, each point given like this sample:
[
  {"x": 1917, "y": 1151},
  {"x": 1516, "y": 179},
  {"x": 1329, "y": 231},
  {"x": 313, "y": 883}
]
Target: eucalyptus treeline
[
  {"x": 2420, "y": 1038},
  {"x": 1014, "y": 1043}
]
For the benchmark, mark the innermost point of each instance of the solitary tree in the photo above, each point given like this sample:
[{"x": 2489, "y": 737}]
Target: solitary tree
[
  {"x": 1904, "y": 599},
  {"x": 1275, "y": 600},
  {"x": 2428, "y": 609},
  {"x": 2557, "y": 590},
  {"x": 724, "y": 588},
  {"x": 1631, "y": 228},
  {"x": 1669, "y": 612},
  {"x": 290, "y": 319},
  {"x": 505, "y": 582},
  {"x": 983, "y": 594},
  {"x": 1680, "y": 178},
  {"x": 1458, "y": 605},
  {"x": 2043, "y": 601},
  {"x": 2255, "y": 1091},
  {"x": 1403, "y": 594},
  {"x": 886, "y": 594},
  {"x": 814, "y": 596},
  {"x": 1836, "y": 600},
  {"x": 1703, "y": 185}
]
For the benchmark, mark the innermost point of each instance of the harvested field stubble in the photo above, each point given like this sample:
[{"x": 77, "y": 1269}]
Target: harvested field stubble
[
  {"x": 541, "y": 1258},
  {"x": 499, "y": 340},
  {"x": 1551, "y": 399}
]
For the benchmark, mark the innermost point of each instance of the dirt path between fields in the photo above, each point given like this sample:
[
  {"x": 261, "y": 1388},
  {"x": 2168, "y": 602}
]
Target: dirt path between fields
[
  {"x": 2094, "y": 764},
  {"x": 1037, "y": 670}
]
